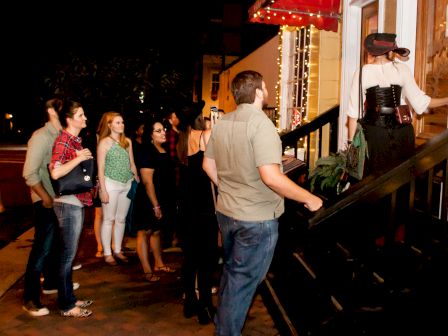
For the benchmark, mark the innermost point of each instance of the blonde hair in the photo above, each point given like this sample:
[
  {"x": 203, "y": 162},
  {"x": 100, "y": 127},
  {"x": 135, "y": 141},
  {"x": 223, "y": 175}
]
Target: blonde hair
[{"x": 103, "y": 129}]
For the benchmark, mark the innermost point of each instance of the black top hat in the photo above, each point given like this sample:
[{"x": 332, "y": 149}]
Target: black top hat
[{"x": 381, "y": 43}]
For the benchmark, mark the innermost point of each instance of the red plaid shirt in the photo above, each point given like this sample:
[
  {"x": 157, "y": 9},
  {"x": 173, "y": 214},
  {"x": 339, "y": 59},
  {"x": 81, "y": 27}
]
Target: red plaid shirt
[
  {"x": 64, "y": 150},
  {"x": 171, "y": 141}
]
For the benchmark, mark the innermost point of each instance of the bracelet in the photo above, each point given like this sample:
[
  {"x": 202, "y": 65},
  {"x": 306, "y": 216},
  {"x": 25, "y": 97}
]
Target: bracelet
[{"x": 156, "y": 207}]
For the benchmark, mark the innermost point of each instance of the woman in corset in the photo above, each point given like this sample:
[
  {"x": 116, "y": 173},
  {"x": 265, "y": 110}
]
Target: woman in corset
[{"x": 386, "y": 83}]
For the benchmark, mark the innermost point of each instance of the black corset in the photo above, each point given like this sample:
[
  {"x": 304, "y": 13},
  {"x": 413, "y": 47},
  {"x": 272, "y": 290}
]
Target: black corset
[
  {"x": 382, "y": 97},
  {"x": 380, "y": 103}
]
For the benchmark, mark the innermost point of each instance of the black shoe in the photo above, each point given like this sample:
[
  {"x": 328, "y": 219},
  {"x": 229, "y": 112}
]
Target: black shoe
[
  {"x": 205, "y": 315},
  {"x": 190, "y": 308},
  {"x": 211, "y": 311}
]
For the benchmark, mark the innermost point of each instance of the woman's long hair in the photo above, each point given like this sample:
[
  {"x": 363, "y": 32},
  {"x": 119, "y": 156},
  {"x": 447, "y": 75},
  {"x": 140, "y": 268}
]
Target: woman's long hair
[
  {"x": 184, "y": 136},
  {"x": 103, "y": 129}
]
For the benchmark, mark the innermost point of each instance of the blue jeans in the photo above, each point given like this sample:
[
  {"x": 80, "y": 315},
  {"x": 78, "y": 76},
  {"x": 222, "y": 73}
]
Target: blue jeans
[
  {"x": 248, "y": 250},
  {"x": 70, "y": 218},
  {"x": 43, "y": 255}
]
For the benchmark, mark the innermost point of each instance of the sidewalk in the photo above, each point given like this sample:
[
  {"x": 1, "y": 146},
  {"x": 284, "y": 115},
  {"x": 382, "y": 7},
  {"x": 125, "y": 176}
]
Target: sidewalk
[{"x": 125, "y": 304}]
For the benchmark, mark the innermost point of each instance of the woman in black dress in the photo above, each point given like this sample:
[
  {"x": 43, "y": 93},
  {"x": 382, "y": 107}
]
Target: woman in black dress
[
  {"x": 199, "y": 224},
  {"x": 155, "y": 199}
]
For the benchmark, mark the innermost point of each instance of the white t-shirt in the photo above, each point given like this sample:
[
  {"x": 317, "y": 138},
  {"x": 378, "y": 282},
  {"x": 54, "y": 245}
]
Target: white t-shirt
[{"x": 386, "y": 75}]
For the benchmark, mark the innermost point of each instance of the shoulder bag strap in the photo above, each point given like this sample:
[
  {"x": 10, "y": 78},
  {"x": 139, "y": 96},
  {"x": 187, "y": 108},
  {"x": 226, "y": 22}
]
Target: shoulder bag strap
[{"x": 361, "y": 110}]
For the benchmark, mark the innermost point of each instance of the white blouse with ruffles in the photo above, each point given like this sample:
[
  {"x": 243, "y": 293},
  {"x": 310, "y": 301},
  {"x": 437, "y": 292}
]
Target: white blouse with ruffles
[{"x": 386, "y": 75}]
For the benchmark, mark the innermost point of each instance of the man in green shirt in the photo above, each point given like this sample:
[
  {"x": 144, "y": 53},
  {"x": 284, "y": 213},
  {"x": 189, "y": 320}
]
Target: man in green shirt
[
  {"x": 35, "y": 173},
  {"x": 243, "y": 158}
]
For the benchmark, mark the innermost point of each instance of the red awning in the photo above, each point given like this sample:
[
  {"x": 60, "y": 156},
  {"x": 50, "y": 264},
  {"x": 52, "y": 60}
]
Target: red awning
[{"x": 323, "y": 14}]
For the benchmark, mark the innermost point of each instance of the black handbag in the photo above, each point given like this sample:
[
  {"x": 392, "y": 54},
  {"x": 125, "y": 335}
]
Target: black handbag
[
  {"x": 78, "y": 180},
  {"x": 133, "y": 191}
]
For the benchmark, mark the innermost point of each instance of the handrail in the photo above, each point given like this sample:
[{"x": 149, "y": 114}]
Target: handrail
[
  {"x": 380, "y": 184},
  {"x": 329, "y": 117},
  {"x": 298, "y": 249}
]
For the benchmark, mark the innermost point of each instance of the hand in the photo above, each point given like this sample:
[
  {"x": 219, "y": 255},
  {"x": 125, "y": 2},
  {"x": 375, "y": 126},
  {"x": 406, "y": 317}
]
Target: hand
[
  {"x": 314, "y": 203},
  {"x": 104, "y": 196},
  {"x": 158, "y": 212},
  {"x": 47, "y": 202},
  {"x": 84, "y": 154},
  {"x": 348, "y": 144}
]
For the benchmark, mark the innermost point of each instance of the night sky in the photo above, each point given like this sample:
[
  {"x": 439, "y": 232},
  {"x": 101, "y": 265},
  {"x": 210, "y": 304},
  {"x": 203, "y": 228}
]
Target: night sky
[{"x": 33, "y": 37}]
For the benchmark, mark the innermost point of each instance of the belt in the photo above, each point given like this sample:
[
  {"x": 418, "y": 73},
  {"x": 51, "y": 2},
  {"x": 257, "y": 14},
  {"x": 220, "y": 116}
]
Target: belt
[{"x": 385, "y": 110}]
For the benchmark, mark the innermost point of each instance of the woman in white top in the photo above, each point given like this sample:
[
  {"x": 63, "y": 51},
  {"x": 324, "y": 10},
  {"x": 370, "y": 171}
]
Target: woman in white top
[{"x": 386, "y": 84}]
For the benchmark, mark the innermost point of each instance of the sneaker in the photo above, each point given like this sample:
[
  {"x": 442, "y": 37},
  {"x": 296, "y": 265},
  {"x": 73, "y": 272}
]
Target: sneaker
[
  {"x": 35, "y": 310},
  {"x": 54, "y": 291},
  {"x": 76, "y": 267}
]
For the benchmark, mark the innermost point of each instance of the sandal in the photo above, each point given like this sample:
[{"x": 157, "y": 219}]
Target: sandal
[
  {"x": 165, "y": 269},
  {"x": 76, "y": 312},
  {"x": 99, "y": 254},
  {"x": 83, "y": 303},
  {"x": 151, "y": 277},
  {"x": 110, "y": 260},
  {"x": 120, "y": 256}
]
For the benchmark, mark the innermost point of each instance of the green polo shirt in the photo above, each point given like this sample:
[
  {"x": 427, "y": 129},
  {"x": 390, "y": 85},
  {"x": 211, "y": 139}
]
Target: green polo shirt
[
  {"x": 241, "y": 142},
  {"x": 38, "y": 156}
]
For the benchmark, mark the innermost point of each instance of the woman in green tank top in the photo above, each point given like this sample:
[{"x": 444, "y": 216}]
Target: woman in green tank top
[{"x": 116, "y": 171}]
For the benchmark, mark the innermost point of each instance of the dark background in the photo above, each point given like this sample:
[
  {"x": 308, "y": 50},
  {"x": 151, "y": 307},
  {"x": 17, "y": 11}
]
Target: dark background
[{"x": 169, "y": 36}]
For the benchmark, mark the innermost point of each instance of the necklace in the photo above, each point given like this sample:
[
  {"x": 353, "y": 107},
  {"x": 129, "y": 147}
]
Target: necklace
[{"x": 116, "y": 141}]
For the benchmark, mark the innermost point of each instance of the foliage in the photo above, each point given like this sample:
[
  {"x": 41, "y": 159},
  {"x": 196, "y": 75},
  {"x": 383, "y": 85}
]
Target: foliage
[
  {"x": 116, "y": 83},
  {"x": 329, "y": 172}
]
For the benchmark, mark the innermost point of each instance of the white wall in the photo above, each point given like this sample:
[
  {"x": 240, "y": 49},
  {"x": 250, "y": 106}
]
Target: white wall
[{"x": 263, "y": 60}]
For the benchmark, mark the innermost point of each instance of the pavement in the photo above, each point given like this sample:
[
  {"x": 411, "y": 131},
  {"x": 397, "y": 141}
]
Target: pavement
[{"x": 124, "y": 303}]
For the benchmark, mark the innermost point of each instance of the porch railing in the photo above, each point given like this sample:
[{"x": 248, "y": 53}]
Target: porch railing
[
  {"x": 323, "y": 246},
  {"x": 315, "y": 127}
]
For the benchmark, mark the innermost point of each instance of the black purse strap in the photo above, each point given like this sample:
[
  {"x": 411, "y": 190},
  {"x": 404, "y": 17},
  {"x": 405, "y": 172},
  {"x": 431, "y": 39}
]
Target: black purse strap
[{"x": 361, "y": 110}]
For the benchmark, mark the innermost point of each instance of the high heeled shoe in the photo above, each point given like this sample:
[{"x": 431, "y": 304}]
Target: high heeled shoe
[
  {"x": 206, "y": 315},
  {"x": 190, "y": 308}
]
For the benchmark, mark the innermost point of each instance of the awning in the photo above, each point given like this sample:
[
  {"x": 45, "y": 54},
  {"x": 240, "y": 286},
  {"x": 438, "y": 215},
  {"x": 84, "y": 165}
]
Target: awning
[{"x": 323, "y": 14}]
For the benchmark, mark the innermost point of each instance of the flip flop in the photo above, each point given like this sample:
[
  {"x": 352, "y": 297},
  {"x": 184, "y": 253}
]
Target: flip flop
[
  {"x": 83, "y": 303},
  {"x": 151, "y": 277},
  {"x": 80, "y": 312},
  {"x": 164, "y": 268}
]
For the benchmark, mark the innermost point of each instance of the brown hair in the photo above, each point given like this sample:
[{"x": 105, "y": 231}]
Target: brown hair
[
  {"x": 55, "y": 104},
  {"x": 244, "y": 86},
  {"x": 66, "y": 110},
  {"x": 103, "y": 129}
]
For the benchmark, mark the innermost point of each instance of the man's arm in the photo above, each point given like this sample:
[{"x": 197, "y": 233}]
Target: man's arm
[
  {"x": 34, "y": 157},
  {"x": 209, "y": 165},
  {"x": 272, "y": 176},
  {"x": 47, "y": 200}
]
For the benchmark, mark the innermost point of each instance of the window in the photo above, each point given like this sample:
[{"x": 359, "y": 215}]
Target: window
[{"x": 215, "y": 86}]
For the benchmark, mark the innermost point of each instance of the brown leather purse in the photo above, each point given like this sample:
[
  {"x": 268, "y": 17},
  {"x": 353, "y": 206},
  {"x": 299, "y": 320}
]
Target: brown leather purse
[{"x": 403, "y": 114}]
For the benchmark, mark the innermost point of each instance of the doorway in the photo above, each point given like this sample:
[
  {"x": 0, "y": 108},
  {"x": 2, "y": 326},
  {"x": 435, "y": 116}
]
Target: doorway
[{"x": 432, "y": 64}]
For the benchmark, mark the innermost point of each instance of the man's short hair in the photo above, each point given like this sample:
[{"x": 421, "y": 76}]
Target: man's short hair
[{"x": 244, "y": 86}]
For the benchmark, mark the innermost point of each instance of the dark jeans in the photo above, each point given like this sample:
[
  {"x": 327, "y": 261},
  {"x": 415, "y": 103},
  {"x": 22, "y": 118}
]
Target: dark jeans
[
  {"x": 200, "y": 246},
  {"x": 70, "y": 219},
  {"x": 248, "y": 250},
  {"x": 43, "y": 256}
]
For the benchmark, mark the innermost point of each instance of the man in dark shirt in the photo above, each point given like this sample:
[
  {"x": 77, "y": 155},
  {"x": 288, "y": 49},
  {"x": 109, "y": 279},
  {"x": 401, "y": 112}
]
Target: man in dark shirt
[{"x": 172, "y": 135}]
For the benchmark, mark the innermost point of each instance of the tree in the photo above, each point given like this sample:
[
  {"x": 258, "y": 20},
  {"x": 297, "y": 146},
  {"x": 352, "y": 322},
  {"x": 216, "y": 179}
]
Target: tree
[{"x": 131, "y": 85}]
